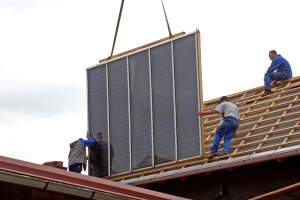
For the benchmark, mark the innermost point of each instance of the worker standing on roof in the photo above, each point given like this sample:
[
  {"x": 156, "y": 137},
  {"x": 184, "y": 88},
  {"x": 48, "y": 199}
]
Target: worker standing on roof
[
  {"x": 231, "y": 120},
  {"x": 77, "y": 157},
  {"x": 279, "y": 70},
  {"x": 94, "y": 154},
  {"x": 89, "y": 142},
  {"x": 104, "y": 154}
]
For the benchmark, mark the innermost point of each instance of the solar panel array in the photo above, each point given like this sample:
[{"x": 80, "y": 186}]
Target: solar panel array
[{"x": 145, "y": 104}]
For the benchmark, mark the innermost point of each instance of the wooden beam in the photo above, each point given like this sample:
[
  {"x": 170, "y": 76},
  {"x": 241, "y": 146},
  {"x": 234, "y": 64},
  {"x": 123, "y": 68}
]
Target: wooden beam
[
  {"x": 214, "y": 101},
  {"x": 196, "y": 162},
  {"x": 255, "y": 116},
  {"x": 270, "y": 147},
  {"x": 263, "y": 127},
  {"x": 262, "y": 121},
  {"x": 250, "y": 132},
  {"x": 141, "y": 47},
  {"x": 260, "y": 109},
  {"x": 257, "y": 97},
  {"x": 279, "y": 118},
  {"x": 156, "y": 169},
  {"x": 267, "y": 140},
  {"x": 260, "y": 104},
  {"x": 278, "y": 193}
]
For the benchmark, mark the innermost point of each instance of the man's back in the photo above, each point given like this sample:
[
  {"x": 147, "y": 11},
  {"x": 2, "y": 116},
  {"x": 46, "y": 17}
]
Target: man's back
[
  {"x": 228, "y": 109},
  {"x": 77, "y": 154},
  {"x": 280, "y": 64}
]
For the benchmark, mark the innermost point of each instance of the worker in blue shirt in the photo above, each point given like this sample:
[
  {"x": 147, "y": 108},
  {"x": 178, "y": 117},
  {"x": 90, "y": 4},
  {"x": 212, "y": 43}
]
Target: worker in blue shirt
[
  {"x": 95, "y": 154},
  {"x": 89, "y": 142},
  {"x": 279, "y": 70}
]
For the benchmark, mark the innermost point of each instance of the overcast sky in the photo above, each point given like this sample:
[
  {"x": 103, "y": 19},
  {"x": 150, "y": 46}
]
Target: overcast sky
[{"x": 46, "y": 46}]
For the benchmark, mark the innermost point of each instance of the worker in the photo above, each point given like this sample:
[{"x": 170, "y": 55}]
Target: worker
[
  {"x": 228, "y": 127},
  {"x": 94, "y": 154},
  {"x": 104, "y": 154},
  {"x": 77, "y": 157},
  {"x": 89, "y": 142},
  {"x": 279, "y": 70}
]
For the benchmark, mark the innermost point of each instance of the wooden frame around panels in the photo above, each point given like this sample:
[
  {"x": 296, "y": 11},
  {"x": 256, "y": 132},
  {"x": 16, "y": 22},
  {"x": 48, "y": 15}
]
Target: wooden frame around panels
[
  {"x": 199, "y": 62},
  {"x": 142, "y": 47},
  {"x": 256, "y": 133}
]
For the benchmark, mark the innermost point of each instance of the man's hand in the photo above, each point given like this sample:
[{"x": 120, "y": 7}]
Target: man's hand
[
  {"x": 273, "y": 83},
  {"x": 211, "y": 112},
  {"x": 200, "y": 113}
]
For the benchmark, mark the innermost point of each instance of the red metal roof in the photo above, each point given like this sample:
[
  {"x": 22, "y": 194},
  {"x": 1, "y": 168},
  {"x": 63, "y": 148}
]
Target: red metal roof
[{"x": 66, "y": 178}]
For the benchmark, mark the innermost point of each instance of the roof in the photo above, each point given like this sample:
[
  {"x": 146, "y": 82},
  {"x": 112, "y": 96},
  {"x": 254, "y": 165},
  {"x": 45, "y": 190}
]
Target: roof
[
  {"x": 53, "y": 179},
  {"x": 269, "y": 129}
]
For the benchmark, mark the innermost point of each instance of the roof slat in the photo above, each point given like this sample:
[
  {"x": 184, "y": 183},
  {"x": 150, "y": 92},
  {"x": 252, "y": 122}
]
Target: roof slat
[{"x": 267, "y": 123}]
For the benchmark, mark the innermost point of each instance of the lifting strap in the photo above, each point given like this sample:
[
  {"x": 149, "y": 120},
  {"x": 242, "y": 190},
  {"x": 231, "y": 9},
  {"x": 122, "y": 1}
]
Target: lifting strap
[
  {"x": 119, "y": 19},
  {"x": 170, "y": 34},
  {"x": 116, "y": 33}
]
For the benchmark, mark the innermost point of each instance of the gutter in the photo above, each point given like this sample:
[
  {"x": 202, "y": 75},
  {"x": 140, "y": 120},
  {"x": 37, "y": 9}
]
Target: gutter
[
  {"x": 57, "y": 180},
  {"x": 218, "y": 165},
  {"x": 56, "y": 187}
]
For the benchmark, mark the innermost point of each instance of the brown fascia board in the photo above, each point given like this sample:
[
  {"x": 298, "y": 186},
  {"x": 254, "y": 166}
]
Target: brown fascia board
[
  {"x": 142, "y": 47},
  {"x": 278, "y": 193},
  {"x": 65, "y": 179},
  {"x": 217, "y": 165}
]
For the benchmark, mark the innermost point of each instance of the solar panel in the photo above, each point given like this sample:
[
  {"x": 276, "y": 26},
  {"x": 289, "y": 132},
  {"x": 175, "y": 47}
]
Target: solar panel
[{"x": 145, "y": 104}]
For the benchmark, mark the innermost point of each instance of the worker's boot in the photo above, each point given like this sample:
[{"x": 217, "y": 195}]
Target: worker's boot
[
  {"x": 211, "y": 155},
  {"x": 266, "y": 92}
]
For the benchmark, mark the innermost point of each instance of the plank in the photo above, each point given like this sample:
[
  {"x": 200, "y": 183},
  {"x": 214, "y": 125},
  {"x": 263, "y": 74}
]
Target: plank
[{"x": 141, "y": 47}]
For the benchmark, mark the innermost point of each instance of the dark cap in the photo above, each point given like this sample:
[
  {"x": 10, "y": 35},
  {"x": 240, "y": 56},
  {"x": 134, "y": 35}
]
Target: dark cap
[{"x": 222, "y": 98}]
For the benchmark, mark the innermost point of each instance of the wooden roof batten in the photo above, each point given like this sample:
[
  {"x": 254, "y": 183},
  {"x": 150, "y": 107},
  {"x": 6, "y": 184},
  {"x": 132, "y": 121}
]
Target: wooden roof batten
[
  {"x": 141, "y": 47},
  {"x": 267, "y": 123},
  {"x": 249, "y": 131},
  {"x": 278, "y": 193}
]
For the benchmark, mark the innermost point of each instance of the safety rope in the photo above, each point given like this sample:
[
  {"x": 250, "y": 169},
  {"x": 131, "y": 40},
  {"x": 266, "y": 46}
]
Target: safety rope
[
  {"x": 119, "y": 19},
  {"x": 116, "y": 33},
  {"x": 170, "y": 34}
]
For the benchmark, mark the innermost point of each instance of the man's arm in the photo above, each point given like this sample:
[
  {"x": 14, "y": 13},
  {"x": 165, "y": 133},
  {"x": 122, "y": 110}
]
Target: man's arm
[
  {"x": 274, "y": 65},
  {"x": 211, "y": 112},
  {"x": 87, "y": 143}
]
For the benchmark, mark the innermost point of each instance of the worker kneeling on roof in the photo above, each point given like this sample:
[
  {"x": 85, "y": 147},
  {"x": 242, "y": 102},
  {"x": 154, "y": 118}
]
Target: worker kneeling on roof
[
  {"x": 279, "y": 70},
  {"x": 231, "y": 120}
]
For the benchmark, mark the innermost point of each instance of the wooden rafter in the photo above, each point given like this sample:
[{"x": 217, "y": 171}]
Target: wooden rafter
[{"x": 256, "y": 133}]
